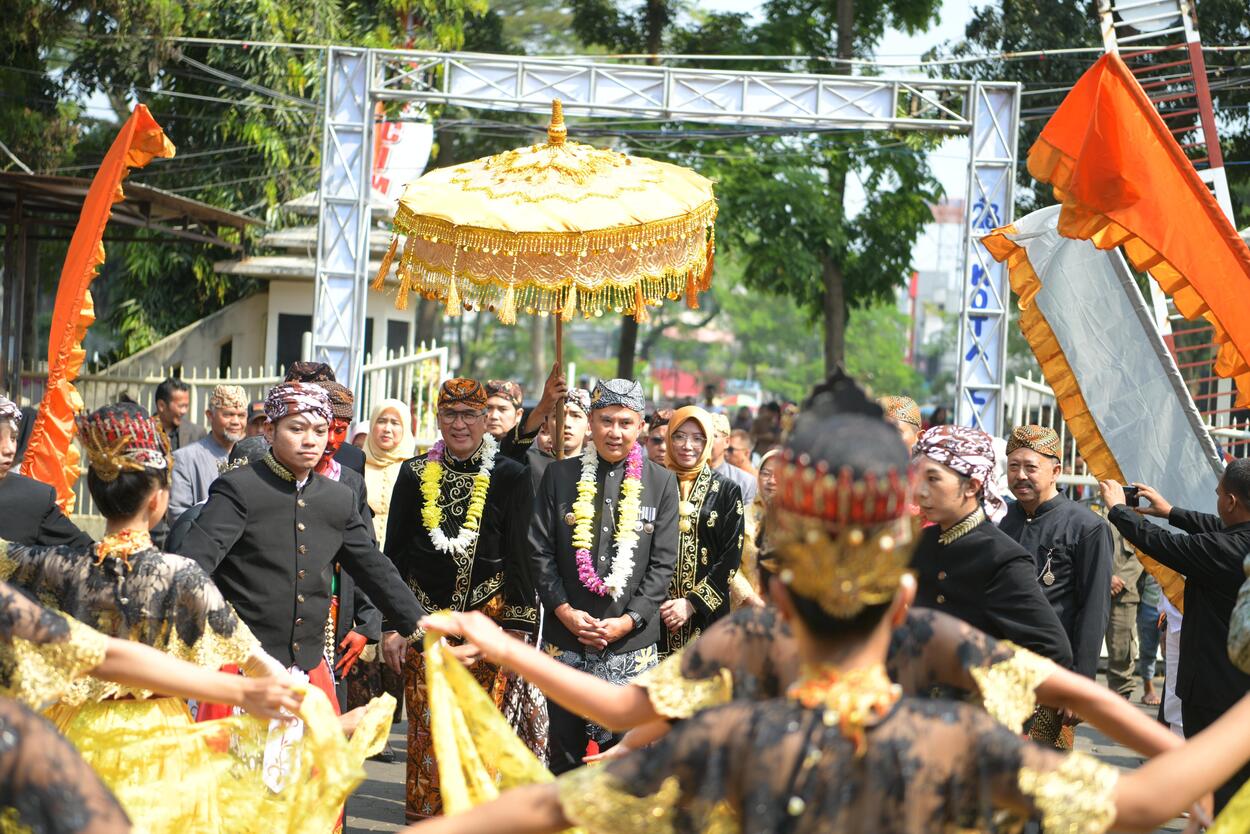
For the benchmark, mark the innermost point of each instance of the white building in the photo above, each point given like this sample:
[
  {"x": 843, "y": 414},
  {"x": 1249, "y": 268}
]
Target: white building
[{"x": 266, "y": 330}]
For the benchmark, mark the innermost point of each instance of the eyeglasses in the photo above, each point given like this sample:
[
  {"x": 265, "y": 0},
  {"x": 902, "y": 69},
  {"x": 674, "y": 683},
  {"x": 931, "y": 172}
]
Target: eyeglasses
[
  {"x": 732, "y": 450},
  {"x": 681, "y": 439},
  {"x": 468, "y": 418},
  {"x": 656, "y": 441}
]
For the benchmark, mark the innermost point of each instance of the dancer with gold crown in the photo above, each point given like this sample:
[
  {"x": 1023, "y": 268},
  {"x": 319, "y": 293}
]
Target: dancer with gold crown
[
  {"x": 166, "y": 772},
  {"x": 772, "y": 766}
]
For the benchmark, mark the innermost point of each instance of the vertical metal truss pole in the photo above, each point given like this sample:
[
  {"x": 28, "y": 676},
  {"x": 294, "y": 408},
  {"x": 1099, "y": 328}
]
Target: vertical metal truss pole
[
  {"x": 983, "y": 312},
  {"x": 343, "y": 214}
]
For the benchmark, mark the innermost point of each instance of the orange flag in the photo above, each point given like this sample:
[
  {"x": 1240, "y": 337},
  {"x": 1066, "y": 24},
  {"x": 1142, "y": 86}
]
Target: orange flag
[
  {"x": 51, "y": 456},
  {"x": 1124, "y": 181}
]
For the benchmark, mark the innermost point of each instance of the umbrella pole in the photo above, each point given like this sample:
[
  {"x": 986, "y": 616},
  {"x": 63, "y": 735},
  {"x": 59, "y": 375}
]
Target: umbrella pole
[{"x": 557, "y": 434}]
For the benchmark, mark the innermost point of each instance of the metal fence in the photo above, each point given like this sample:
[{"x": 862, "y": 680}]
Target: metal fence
[
  {"x": 1031, "y": 401},
  {"x": 411, "y": 376}
]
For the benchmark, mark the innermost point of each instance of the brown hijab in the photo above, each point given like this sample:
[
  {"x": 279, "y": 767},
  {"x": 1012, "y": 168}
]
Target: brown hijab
[{"x": 680, "y": 417}]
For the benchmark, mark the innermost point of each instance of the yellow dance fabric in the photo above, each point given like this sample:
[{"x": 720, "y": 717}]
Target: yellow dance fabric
[
  {"x": 1235, "y": 818},
  {"x": 174, "y": 775},
  {"x": 38, "y": 672},
  {"x": 478, "y": 752}
]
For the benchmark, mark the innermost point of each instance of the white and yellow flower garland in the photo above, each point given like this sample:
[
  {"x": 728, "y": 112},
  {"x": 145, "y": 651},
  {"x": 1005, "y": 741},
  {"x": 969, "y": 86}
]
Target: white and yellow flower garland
[
  {"x": 432, "y": 513},
  {"x": 626, "y": 526}
]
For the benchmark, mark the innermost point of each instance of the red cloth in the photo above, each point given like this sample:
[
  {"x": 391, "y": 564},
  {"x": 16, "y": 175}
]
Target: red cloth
[{"x": 319, "y": 677}]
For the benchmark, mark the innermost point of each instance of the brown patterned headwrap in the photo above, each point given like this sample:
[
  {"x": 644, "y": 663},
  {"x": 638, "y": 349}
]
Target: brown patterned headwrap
[
  {"x": 462, "y": 391},
  {"x": 291, "y": 398},
  {"x": 968, "y": 452},
  {"x": 903, "y": 409},
  {"x": 342, "y": 401},
  {"x": 659, "y": 417},
  {"x": 507, "y": 389},
  {"x": 9, "y": 412},
  {"x": 580, "y": 398},
  {"x": 310, "y": 372},
  {"x": 123, "y": 438},
  {"x": 1040, "y": 439},
  {"x": 228, "y": 396}
]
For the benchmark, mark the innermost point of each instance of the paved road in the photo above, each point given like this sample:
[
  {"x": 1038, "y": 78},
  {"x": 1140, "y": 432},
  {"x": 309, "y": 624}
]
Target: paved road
[{"x": 378, "y": 804}]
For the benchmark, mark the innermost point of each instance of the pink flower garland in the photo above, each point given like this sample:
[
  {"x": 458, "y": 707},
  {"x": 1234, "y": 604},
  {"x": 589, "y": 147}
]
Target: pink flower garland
[{"x": 586, "y": 573}]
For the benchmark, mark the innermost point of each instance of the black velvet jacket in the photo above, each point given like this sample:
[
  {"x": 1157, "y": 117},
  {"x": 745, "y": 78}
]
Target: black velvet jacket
[
  {"x": 495, "y": 574},
  {"x": 271, "y": 547},
  {"x": 29, "y": 514},
  {"x": 555, "y": 562},
  {"x": 989, "y": 581}
]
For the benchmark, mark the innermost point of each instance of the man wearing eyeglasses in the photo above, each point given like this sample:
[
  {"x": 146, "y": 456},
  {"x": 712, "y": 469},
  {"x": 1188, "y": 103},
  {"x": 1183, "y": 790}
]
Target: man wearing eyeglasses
[
  {"x": 464, "y": 550},
  {"x": 657, "y": 434}
]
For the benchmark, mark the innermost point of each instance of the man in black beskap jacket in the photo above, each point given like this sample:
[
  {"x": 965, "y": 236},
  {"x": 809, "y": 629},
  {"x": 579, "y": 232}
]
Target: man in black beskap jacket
[
  {"x": 610, "y": 632},
  {"x": 272, "y": 532},
  {"x": 1209, "y": 553}
]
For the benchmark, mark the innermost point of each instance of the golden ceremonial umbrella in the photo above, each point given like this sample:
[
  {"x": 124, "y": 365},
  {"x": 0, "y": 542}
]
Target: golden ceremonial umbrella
[{"x": 555, "y": 229}]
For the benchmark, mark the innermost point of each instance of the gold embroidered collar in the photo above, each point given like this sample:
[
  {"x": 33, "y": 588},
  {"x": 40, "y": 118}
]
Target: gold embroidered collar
[
  {"x": 122, "y": 545},
  {"x": 277, "y": 468},
  {"x": 852, "y": 700},
  {"x": 963, "y": 528}
]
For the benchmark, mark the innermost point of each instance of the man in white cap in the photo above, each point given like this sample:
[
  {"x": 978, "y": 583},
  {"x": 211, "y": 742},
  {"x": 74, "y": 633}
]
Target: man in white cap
[
  {"x": 604, "y": 537},
  {"x": 197, "y": 466}
]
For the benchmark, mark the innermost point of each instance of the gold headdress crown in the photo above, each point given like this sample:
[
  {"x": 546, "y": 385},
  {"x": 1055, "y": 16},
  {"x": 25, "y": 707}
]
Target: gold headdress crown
[
  {"x": 840, "y": 541},
  {"x": 118, "y": 440}
]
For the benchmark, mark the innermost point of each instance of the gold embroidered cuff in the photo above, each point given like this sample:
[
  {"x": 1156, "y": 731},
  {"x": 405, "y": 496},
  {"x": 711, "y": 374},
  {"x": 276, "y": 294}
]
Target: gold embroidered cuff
[
  {"x": 709, "y": 595},
  {"x": 594, "y": 800},
  {"x": 44, "y": 672},
  {"x": 1008, "y": 687},
  {"x": 1078, "y": 797},
  {"x": 675, "y": 696}
]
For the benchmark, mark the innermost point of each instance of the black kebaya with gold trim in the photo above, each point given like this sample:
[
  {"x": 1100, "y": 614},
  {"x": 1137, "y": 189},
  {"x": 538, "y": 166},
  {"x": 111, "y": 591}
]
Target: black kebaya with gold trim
[{"x": 709, "y": 550}]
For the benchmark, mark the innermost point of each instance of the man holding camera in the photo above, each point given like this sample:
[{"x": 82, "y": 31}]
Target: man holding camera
[{"x": 1209, "y": 552}]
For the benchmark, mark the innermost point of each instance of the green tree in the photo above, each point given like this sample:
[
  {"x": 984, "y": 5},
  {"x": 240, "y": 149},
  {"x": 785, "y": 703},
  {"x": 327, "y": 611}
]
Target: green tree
[
  {"x": 876, "y": 352},
  {"x": 246, "y": 120},
  {"x": 1030, "y": 25}
]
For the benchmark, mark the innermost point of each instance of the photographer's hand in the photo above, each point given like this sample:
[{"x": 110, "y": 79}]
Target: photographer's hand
[
  {"x": 1157, "y": 505},
  {"x": 1112, "y": 493}
]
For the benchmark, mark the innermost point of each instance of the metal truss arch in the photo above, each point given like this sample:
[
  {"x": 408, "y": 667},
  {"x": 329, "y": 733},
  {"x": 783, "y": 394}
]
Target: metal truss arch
[{"x": 357, "y": 79}]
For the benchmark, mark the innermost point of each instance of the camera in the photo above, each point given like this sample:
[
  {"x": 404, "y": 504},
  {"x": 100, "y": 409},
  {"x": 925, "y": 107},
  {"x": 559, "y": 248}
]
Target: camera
[{"x": 1132, "y": 496}]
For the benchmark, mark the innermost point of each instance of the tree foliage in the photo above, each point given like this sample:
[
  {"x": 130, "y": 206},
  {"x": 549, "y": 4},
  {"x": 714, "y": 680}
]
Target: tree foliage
[{"x": 246, "y": 119}]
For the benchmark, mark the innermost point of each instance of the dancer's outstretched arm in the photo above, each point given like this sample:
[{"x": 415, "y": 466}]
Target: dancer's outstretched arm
[
  {"x": 1144, "y": 798},
  {"x": 1164, "y": 786},
  {"x": 143, "y": 667},
  {"x": 609, "y": 705}
]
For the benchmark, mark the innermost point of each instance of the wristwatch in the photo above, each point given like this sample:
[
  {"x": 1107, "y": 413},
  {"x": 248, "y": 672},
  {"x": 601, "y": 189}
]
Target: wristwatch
[{"x": 639, "y": 620}]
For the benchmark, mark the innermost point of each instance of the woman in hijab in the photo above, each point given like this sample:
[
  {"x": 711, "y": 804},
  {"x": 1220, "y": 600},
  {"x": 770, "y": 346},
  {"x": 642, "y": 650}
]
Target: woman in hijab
[
  {"x": 711, "y": 525},
  {"x": 389, "y": 444}
]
